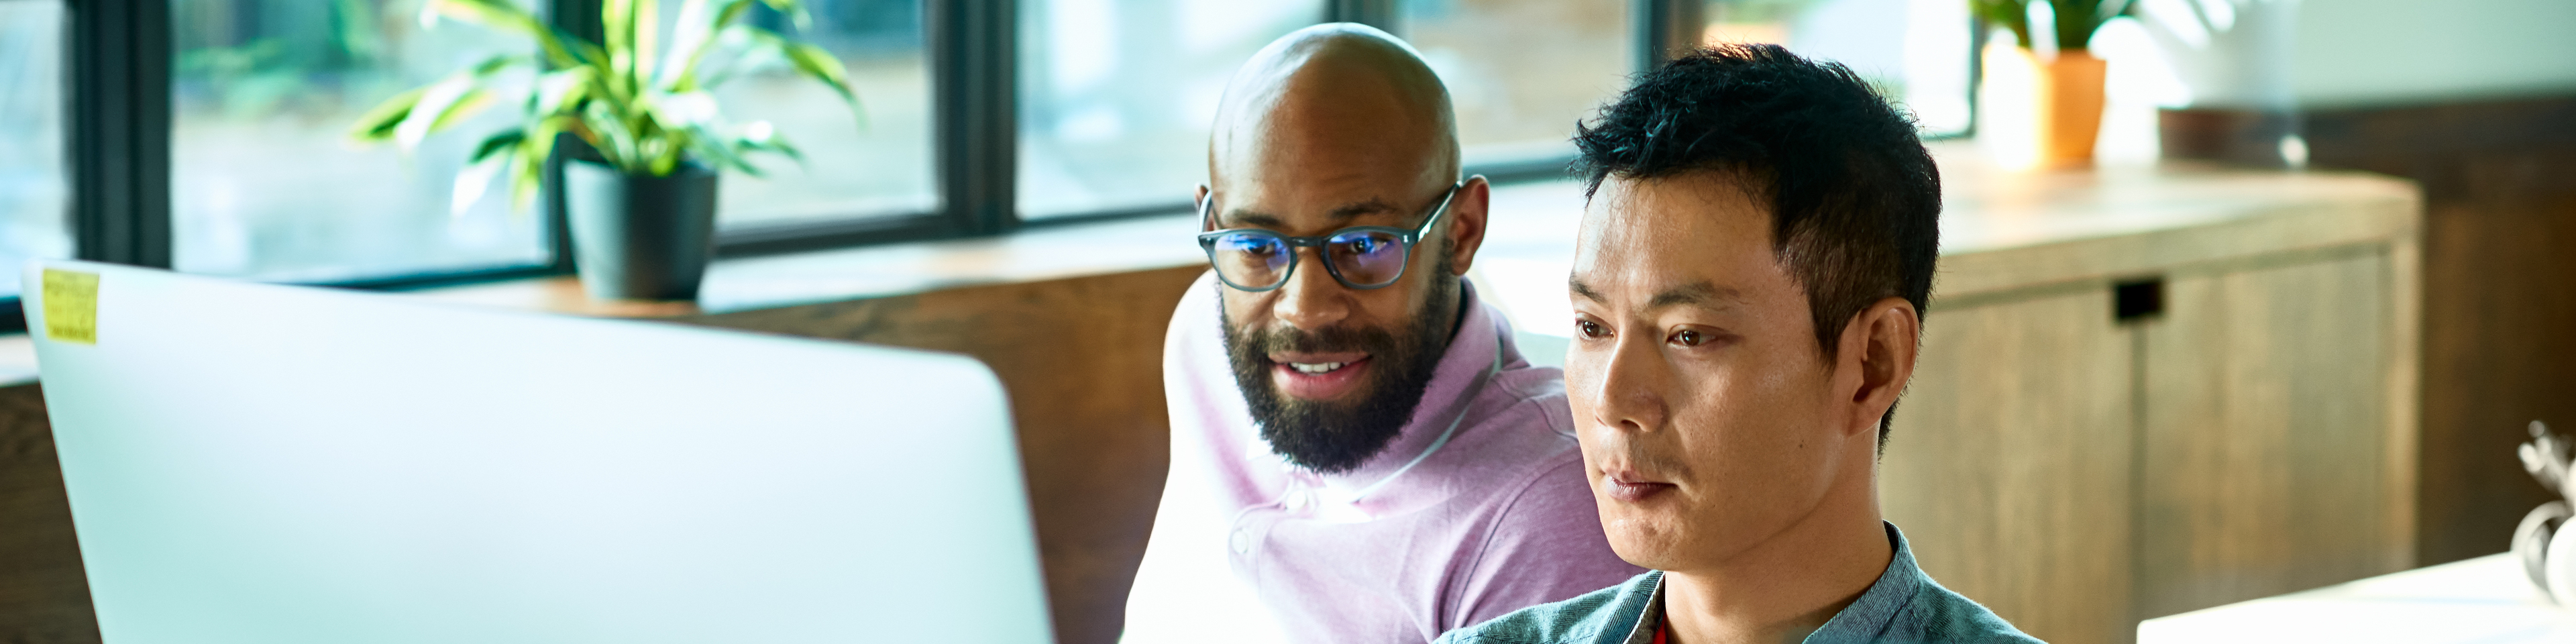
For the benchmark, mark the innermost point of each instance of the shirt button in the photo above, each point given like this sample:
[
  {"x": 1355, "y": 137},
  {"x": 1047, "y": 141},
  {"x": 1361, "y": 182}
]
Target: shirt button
[{"x": 1242, "y": 542}]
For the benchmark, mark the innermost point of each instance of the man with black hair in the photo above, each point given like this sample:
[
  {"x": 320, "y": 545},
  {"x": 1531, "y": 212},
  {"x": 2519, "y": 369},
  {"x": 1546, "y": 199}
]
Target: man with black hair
[{"x": 1748, "y": 286}]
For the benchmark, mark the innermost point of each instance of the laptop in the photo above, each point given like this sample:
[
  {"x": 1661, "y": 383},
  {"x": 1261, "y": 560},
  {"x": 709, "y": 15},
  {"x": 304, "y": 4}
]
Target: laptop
[{"x": 273, "y": 464}]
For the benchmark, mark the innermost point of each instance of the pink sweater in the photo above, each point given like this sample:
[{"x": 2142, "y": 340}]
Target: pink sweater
[{"x": 1477, "y": 509}]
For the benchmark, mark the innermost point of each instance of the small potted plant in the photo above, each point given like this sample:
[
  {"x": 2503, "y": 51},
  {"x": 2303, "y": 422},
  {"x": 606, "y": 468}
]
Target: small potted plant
[
  {"x": 641, "y": 197},
  {"x": 2066, "y": 90}
]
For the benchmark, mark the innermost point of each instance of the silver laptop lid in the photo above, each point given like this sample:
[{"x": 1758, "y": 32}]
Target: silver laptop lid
[{"x": 256, "y": 463}]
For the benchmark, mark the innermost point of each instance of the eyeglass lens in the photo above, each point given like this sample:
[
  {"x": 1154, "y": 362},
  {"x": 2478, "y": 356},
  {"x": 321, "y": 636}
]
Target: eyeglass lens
[{"x": 1364, "y": 258}]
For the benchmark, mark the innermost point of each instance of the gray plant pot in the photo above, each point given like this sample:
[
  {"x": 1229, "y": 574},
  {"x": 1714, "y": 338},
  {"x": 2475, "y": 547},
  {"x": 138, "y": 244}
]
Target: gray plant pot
[{"x": 638, "y": 237}]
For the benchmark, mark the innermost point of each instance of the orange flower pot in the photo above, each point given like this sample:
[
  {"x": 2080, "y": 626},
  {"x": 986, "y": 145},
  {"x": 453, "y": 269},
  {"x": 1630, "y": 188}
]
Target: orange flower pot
[{"x": 2065, "y": 102}]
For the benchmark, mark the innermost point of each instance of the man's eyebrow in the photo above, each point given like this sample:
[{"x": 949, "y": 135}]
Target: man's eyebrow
[
  {"x": 1700, "y": 294},
  {"x": 1579, "y": 288},
  {"x": 1253, "y": 219},
  {"x": 1359, "y": 209},
  {"x": 1340, "y": 215}
]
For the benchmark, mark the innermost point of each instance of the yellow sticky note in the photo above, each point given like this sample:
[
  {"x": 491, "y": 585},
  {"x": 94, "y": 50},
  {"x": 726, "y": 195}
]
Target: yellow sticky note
[{"x": 71, "y": 306}]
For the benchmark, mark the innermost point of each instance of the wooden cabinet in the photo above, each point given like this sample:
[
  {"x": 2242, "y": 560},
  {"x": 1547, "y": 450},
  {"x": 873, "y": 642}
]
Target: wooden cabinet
[
  {"x": 2008, "y": 466},
  {"x": 2263, "y": 435},
  {"x": 2254, "y": 434}
]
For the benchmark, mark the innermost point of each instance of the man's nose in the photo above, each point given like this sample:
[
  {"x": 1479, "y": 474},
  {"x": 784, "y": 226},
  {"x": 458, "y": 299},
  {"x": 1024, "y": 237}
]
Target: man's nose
[
  {"x": 1312, "y": 299},
  {"x": 1629, "y": 396}
]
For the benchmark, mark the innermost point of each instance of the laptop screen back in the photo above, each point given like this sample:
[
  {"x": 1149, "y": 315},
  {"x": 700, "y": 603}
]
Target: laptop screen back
[{"x": 252, "y": 463}]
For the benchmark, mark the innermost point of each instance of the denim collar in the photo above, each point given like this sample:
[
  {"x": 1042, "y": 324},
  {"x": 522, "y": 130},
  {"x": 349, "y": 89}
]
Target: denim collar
[{"x": 1862, "y": 621}]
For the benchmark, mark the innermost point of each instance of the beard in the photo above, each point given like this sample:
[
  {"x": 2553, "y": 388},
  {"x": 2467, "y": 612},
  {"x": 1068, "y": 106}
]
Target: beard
[{"x": 1328, "y": 436}]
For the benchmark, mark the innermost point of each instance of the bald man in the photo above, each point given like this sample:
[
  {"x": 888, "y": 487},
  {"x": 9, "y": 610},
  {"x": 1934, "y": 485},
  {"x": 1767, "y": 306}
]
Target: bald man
[{"x": 1359, "y": 453}]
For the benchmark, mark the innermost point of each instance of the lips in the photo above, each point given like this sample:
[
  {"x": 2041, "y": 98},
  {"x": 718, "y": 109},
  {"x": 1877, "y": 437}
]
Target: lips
[
  {"x": 1317, "y": 376},
  {"x": 1629, "y": 487}
]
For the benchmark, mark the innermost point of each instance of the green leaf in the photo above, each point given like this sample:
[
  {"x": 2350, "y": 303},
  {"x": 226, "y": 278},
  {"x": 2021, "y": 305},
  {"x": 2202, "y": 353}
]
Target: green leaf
[
  {"x": 473, "y": 102},
  {"x": 814, "y": 62},
  {"x": 532, "y": 152},
  {"x": 495, "y": 14},
  {"x": 648, "y": 26},
  {"x": 611, "y": 128},
  {"x": 684, "y": 110},
  {"x": 377, "y": 125},
  {"x": 617, "y": 22},
  {"x": 476, "y": 179},
  {"x": 795, "y": 11},
  {"x": 451, "y": 99},
  {"x": 559, "y": 90},
  {"x": 696, "y": 37},
  {"x": 750, "y": 53},
  {"x": 498, "y": 142},
  {"x": 433, "y": 104},
  {"x": 716, "y": 151},
  {"x": 822, "y": 66},
  {"x": 759, "y": 136},
  {"x": 2010, "y": 14},
  {"x": 503, "y": 16}
]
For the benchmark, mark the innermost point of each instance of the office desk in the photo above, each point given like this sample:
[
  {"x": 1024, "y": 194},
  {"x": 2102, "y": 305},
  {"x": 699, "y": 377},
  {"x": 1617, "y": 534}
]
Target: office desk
[{"x": 2485, "y": 600}]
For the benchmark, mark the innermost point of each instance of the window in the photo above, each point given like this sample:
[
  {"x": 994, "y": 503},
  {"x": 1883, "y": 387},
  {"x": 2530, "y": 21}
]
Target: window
[
  {"x": 1041, "y": 110},
  {"x": 1917, "y": 52},
  {"x": 872, "y": 165},
  {"x": 262, "y": 184},
  {"x": 1117, "y": 95},
  {"x": 35, "y": 195},
  {"x": 1521, "y": 72}
]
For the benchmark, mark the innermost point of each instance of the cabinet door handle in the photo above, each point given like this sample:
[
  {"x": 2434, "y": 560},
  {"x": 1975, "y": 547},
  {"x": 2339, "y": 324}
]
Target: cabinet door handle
[{"x": 2132, "y": 300}]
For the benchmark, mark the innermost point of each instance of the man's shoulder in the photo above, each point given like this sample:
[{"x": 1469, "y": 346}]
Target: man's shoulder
[
  {"x": 1941, "y": 615},
  {"x": 1604, "y": 615}
]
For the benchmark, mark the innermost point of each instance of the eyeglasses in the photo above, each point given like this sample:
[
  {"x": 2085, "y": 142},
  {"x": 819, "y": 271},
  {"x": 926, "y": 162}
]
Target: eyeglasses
[{"x": 1360, "y": 257}]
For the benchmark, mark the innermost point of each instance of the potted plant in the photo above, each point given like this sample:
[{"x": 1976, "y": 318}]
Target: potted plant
[
  {"x": 640, "y": 199},
  {"x": 2066, "y": 89}
]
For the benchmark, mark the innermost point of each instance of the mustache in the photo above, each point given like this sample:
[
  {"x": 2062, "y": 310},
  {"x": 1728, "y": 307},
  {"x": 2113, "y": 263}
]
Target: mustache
[{"x": 1260, "y": 343}]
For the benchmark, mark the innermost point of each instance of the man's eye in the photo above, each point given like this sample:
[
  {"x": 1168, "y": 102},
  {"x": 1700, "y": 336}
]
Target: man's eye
[
  {"x": 1588, "y": 328},
  {"x": 1689, "y": 338}
]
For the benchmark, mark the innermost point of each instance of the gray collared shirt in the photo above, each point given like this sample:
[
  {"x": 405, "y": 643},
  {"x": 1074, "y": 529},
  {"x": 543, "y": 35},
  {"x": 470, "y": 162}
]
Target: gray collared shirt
[{"x": 1903, "y": 606}]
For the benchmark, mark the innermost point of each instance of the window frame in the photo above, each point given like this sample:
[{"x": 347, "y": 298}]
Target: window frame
[{"x": 120, "y": 136}]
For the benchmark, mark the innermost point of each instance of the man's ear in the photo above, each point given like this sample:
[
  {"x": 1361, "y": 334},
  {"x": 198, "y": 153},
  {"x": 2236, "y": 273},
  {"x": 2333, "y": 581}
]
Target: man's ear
[
  {"x": 1467, "y": 214},
  {"x": 1206, "y": 223},
  {"x": 1880, "y": 344}
]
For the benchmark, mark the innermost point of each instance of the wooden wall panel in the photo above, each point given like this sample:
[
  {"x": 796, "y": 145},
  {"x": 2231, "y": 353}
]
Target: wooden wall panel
[
  {"x": 1082, "y": 361},
  {"x": 44, "y": 597},
  {"x": 2008, "y": 465},
  {"x": 2263, "y": 432},
  {"x": 2500, "y": 216}
]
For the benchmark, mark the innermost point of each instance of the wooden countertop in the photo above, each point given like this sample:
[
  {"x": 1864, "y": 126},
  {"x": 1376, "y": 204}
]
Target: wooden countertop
[
  {"x": 2184, "y": 212},
  {"x": 1988, "y": 209},
  {"x": 2005, "y": 232}
]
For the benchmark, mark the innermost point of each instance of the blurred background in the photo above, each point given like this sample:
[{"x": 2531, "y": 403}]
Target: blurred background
[{"x": 208, "y": 136}]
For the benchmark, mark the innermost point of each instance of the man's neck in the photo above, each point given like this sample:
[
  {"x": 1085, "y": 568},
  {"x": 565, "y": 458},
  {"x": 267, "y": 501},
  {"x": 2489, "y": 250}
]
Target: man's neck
[{"x": 1787, "y": 586}]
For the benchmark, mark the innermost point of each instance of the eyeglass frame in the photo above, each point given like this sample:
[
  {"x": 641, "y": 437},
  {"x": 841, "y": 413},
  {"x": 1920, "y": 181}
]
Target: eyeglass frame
[{"x": 1406, "y": 238}]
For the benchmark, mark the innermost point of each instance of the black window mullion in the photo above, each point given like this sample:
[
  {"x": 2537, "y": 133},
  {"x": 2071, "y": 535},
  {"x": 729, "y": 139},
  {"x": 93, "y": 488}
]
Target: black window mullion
[
  {"x": 120, "y": 131},
  {"x": 580, "y": 18},
  {"x": 1375, "y": 13},
  {"x": 974, "y": 107},
  {"x": 1665, "y": 29}
]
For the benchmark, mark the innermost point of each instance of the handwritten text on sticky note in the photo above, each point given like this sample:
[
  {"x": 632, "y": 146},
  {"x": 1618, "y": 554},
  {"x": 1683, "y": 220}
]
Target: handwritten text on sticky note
[{"x": 71, "y": 306}]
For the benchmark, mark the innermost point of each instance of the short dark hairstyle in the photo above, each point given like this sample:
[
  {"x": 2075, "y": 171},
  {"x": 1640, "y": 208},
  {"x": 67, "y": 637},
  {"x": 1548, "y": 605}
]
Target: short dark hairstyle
[{"x": 1855, "y": 199}]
